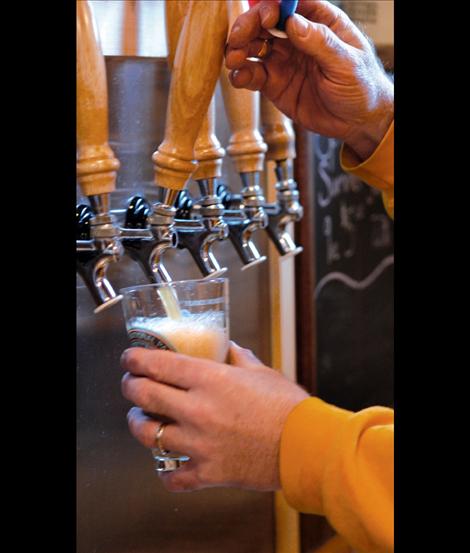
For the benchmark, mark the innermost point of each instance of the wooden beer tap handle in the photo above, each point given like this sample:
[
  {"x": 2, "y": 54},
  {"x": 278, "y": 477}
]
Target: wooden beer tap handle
[
  {"x": 175, "y": 12},
  {"x": 246, "y": 146},
  {"x": 208, "y": 151},
  {"x": 196, "y": 68},
  {"x": 96, "y": 163},
  {"x": 277, "y": 132}
]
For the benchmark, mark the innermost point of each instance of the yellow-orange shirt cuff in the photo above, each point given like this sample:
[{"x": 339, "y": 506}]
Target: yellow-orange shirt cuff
[
  {"x": 310, "y": 430},
  {"x": 377, "y": 170}
]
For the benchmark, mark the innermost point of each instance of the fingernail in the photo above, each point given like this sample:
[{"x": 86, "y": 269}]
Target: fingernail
[
  {"x": 124, "y": 357},
  {"x": 235, "y": 29},
  {"x": 301, "y": 25}
]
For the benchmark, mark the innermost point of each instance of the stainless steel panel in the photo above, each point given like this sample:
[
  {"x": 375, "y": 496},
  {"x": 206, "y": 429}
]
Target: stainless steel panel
[
  {"x": 121, "y": 505},
  {"x": 130, "y": 28}
]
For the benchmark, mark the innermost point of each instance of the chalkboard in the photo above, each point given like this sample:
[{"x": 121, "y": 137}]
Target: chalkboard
[{"x": 354, "y": 285}]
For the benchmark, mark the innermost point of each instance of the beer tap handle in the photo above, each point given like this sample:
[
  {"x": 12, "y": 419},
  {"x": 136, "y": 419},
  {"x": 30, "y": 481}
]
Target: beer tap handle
[
  {"x": 246, "y": 145},
  {"x": 196, "y": 67},
  {"x": 277, "y": 132},
  {"x": 208, "y": 151},
  {"x": 96, "y": 162},
  {"x": 175, "y": 13}
]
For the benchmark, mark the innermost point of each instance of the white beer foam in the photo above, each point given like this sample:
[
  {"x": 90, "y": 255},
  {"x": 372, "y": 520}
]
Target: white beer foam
[{"x": 197, "y": 334}]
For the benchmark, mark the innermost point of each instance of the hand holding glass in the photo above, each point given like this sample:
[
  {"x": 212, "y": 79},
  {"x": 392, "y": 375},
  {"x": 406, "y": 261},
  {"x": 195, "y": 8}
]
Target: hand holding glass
[{"x": 189, "y": 316}]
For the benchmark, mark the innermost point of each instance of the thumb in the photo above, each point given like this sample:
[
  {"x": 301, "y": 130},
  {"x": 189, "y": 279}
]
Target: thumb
[
  {"x": 242, "y": 357},
  {"x": 316, "y": 40}
]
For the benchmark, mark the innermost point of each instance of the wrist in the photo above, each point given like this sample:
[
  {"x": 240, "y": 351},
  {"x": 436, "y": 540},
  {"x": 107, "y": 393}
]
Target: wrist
[{"x": 365, "y": 137}]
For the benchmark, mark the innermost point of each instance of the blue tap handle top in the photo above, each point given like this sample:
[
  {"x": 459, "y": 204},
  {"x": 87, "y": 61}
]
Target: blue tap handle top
[{"x": 286, "y": 9}]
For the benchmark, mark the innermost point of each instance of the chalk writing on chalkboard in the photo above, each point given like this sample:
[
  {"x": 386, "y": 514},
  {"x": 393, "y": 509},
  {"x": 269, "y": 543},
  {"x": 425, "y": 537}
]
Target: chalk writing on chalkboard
[
  {"x": 355, "y": 284},
  {"x": 350, "y": 220}
]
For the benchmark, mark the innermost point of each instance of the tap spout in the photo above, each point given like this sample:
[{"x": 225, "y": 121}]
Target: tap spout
[
  {"x": 286, "y": 210},
  {"x": 243, "y": 220},
  {"x": 97, "y": 248},
  {"x": 202, "y": 227},
  {"x": 148, "y": 232}
]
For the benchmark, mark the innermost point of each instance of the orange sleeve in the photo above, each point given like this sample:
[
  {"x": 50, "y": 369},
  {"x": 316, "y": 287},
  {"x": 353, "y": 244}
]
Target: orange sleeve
[
  {"x": 339, "y": 464},
  {"x": 377, "y": 170}
]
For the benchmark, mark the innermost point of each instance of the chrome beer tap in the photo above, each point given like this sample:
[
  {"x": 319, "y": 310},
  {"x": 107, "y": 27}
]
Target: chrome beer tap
[
  {"x": 241, "y": 227},
  {"x": 148, "y": 232},
  {"x": 246, "y": 148},
  {"x": 99, "y": 246},
  {"x": 279, "y": 136},
  {"x": 286, "y": 210},
  {"x": 199, "y": 225}
]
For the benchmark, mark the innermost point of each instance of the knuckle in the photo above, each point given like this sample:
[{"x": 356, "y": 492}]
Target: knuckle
[
  {"x": 139, "y": 430},
  {"x": 125, "y": 383},
  {"x": 143, "y": 396},
  {"x": 132, "y": 423},
  {"x": 137, "y": 390},
  {"x": 130, "y": 358}
]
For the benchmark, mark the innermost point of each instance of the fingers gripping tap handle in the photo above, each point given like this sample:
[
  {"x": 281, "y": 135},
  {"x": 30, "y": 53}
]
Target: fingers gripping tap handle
[
  {"x": 196, "y": 67},
  {"x": 96, "y": 163},
  {"x": 286, "y": 9}
]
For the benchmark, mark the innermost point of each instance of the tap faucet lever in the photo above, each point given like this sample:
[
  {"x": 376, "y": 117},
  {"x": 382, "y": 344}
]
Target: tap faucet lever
[
  {"x": 241, "y": 227},
  {"x": 286, "y": 210},
  {"x": 280, "y": 138},
  {"x": 199, "y": 226},
  {"x": 98, "y": 245},
  {"x": 147, "y": 233}
]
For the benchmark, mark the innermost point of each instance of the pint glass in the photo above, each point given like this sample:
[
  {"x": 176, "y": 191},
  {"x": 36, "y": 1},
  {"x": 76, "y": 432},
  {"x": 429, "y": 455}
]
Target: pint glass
[{"x": 189, "y": 316}]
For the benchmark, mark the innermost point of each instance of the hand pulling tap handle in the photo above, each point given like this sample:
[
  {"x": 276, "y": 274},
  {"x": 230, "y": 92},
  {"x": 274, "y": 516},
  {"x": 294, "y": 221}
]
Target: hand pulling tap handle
[
  {"x": 280, "y": 138},
  {"x": 96, "y": 163},
  {"x": 196, "y": 67}
]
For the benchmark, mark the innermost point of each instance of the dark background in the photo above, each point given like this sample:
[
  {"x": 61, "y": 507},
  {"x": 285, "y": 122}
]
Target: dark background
[{"x": 354, "y": 285}]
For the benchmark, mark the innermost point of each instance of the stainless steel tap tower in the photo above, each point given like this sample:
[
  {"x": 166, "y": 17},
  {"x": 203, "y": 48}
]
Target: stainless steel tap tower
[{"x": 132, "y": 232}]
